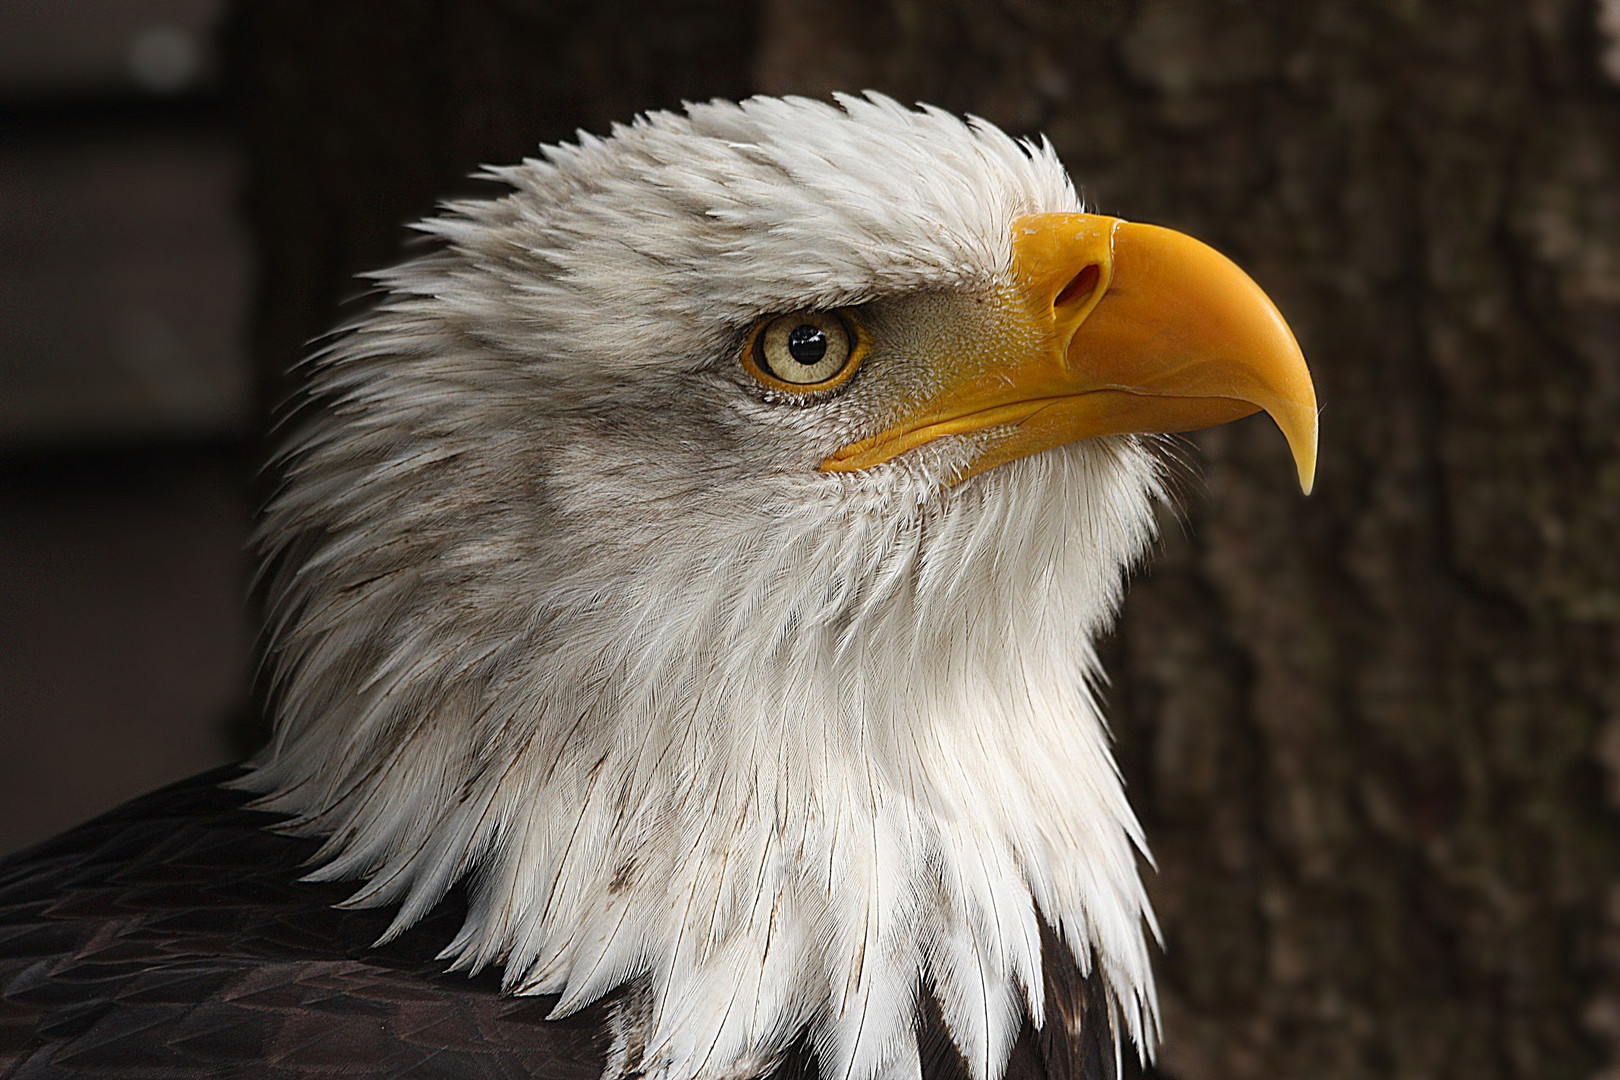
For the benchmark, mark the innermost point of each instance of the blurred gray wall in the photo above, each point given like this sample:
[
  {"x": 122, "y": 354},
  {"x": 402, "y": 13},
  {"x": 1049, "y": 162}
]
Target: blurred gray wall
[{"x": 124, "y": 406}]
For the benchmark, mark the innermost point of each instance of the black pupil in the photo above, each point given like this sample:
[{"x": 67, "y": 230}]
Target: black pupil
[{"x": 807, "y": 344}]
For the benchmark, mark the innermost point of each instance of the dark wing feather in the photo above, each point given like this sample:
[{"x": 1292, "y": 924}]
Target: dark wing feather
[
  {"x": 171, "y": 938},
  {"x": 1075, "y": 1043}
]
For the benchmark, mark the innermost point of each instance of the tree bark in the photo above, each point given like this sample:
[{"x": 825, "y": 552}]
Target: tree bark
[{"x": 1374, "y": 735}]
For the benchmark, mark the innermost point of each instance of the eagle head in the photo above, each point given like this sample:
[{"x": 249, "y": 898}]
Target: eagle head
[{"x": 698, "y": 555}]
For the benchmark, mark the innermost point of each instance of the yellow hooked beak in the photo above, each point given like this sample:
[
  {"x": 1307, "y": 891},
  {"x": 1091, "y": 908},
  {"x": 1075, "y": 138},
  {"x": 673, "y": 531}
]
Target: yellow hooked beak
[{"x": 1122, "y": 328}]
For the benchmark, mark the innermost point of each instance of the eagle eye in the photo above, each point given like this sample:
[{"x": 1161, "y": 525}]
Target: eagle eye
[{"x": 803, "y": 351}]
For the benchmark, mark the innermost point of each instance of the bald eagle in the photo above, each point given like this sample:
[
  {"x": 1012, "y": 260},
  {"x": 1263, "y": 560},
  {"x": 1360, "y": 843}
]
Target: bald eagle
[{"x": 682, "y": 594}]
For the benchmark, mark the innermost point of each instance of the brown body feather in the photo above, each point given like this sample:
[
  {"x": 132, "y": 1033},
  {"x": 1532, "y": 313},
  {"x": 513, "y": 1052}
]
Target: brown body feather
[{"x": 171, "y": 938}]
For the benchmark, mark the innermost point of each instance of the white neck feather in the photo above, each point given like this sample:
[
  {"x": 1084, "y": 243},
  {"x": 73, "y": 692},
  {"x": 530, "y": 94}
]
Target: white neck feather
[{"x": 785, "y": 770}]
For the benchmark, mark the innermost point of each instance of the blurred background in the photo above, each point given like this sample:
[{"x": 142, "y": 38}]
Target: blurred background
[
  {"x": 1374, "y": 736},
  {"x": 127, "y": 407}
]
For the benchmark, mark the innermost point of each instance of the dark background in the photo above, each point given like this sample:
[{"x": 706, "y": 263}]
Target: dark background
[
  {"x": 126, "y": 404},
  {"x": 1374, "y": 735}
]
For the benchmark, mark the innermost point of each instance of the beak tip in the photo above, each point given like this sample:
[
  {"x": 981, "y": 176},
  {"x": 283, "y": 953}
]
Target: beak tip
[{"x": 1305, "y": 453}]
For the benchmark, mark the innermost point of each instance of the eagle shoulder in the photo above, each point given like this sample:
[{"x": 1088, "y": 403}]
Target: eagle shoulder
[
  {"x": 173, "y": 934},
  {"x": 172, "y": 937}
]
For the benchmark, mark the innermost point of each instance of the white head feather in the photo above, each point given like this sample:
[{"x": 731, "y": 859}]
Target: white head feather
[{"x": 561, "y": 607}]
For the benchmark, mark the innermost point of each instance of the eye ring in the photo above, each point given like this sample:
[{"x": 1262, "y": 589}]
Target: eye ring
[{"x": 804, "y": 352}]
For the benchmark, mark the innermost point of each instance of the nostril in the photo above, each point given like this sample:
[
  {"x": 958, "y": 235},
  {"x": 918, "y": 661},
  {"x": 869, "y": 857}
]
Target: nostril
[{"x": 1080, "y": 287}]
